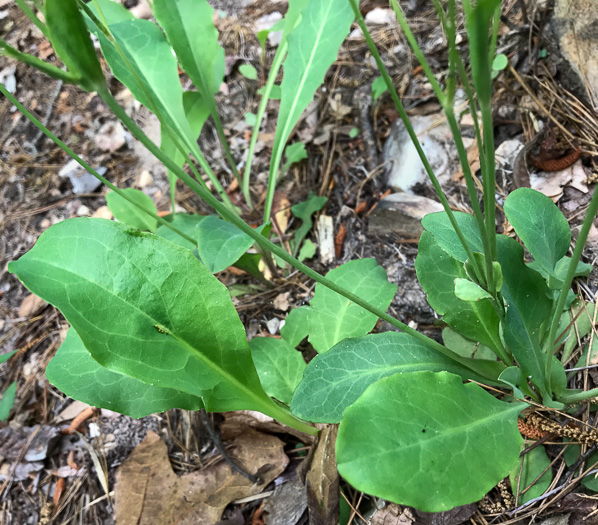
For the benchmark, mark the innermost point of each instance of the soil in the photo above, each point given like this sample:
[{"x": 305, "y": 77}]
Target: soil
[{"x": 33, "y": 196}]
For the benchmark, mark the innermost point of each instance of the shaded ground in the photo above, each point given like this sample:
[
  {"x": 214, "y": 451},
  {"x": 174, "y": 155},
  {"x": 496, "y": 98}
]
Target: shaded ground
[{"x": 33, "y": 196}]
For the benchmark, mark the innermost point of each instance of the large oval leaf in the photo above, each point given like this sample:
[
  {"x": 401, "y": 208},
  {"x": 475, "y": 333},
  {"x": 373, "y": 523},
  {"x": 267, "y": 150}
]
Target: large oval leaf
[
  {"x": 540, "y": 225},
  {"x": 73, "y": 371},
  {"x": 438, "y": 224},
  {"x": 148, "y": 309},
  {"x": 333, "y": 318},
  {"x": 427, "y": 440},
  {"x": 129, "y": 214},
  {"x": 334, "y": 380}
]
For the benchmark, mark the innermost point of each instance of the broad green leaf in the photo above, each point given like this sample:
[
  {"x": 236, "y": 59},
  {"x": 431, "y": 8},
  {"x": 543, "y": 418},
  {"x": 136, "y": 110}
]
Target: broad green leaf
[
  {"x": 334, "y": 380},
  {"x": 571, "y": 455},
  {"x": 147, "y": 309},
  {"x": 535, "y": 462},
  {"x": 436, "y": 272},
  {"x": 569, "y": 330},
  {"x": 513, "y": 376},
  {"x": 465, "y": 347},
  {"x": 7, "y": 401},
  {"x": 378, "y": 88},
  {"x": 220, "y": 244},
  {"x": 186, "y": 223},
  {"x": 469, "y": 291},
  {"x": 304, "y": 210},
  {"x": 190, "y": 30},
  {"x": 540, "y": 225},
  {"x": 248, "y": 71},
  {"x": 278, "y": 365},
  {"x": 113, "y": 12},
  {"x": 333, "y": 318},
  {"x": 78, "y": 375},
  {"x": 129, "y": 214},
  {"x": 294, "y": 153},
  {"x": 197, "y": 111},
  {"x": 7, "y": 356},
  {"x": 296, "y": 326},
  {"x": 450, "y": 443},
  {"x": 439, "y": 225},
  {"x": 313, "y": 46},
  {"x": 529, "y": 306}
]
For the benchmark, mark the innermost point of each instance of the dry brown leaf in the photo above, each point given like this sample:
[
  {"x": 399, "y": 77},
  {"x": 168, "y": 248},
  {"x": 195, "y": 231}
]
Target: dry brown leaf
[
  {"x": 393, "y": 515},
  {"x": 31, "y": 305},
  {"x": 281, "y": 301},
  {"x": 282, "y": 212},
  {"x": 148, "y": 492},
  {"x": 235, "y": 423}
]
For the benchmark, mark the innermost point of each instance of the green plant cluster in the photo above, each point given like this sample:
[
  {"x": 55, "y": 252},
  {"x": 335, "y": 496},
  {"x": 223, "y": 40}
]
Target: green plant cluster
[{"x": 152, "y": 328}]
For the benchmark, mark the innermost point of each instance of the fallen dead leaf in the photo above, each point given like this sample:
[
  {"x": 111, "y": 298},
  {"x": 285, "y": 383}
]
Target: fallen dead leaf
[
  {"x": 235, "y": 423},
  {"x": 281, "y": 301},
  {"x": 149, "y": 492},
  {"x": 393, "y": 515},
  {"x": 31, "y": 305}
]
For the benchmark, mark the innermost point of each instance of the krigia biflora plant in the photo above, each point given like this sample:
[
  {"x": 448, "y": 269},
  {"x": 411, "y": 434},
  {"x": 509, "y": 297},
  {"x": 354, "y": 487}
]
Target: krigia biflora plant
[{"x": 152, "y": 328}]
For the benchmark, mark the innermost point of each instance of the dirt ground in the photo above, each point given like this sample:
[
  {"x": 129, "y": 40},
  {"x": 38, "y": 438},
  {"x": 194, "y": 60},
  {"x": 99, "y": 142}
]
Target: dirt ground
[{"x": 72, "y": 476}]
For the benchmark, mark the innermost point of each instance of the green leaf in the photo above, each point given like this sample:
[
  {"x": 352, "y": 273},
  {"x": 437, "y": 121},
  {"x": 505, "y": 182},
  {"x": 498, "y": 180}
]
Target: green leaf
[
  {"x": 307, "y": 251},
  {"x": 450, "y": 442},
  {"x": 190, "y": 30},
  {"x": 130, "y": 215},
  {"x": 535, "y": 462},
  {"x": 333, "y": 318},
  {"x": 378, "y": 88},
  {"x": 78, "y": 375},
  {"x": 186, "y": 223},
  {"x": 436, "y": 272},
  {"x": 7, "y": 401},
  {"x": 571, "y": 455},
  {"x": 248, "y": 71},
  {"x": 147, "y": 309},
  {"x": 294, "y": 153},
  {"x": 335, "y": 380},
  {"x": 250, "y": 263},
  {"x": 438, "y": 224},
  {"x": 313, "y": 47},
  {"x": 296, "y": 326},
  {"x": 304, "y": 210},
  {"x": 500, "y": 62},
  {"x": 72, "y": 43},
  {"x": 278, "y": 365},
  {"x": 7, "y": 356},
  {"x": 540, "y": 225},
  {"x": 275, "y": 92},
  {"x": 583, "y": 313},
  {"x": 529, "y": 306},
  {"x": 250, "y": 118},
  {"x": 353, "y": 132},
  {"x": 468, "y": 291},
  {"x": 220, "y": 243},
  {"x": 465, "y": 347},
  {"x": 113, "y": 12}
]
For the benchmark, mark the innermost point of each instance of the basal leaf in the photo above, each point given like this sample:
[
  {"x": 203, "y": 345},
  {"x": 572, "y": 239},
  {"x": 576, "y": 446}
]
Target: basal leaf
[
  {"x": 7, "y": 401},
  {"x": 113, "y": 12},
  {"x": 129, "y": 214},
  {"x": 334, "y": 380},
  {"x": 540, "y": 225},
  {"x": 450, "y": 443},
  {"x": 147, "y": 309},
  {"x": 313, "y": 47},
  {"x": 333, "y": 318},
  {"x": 535, "y": 462},
  {"x": 304, "y": 210},
  {"x": 220, "y": 244},
  {"x": 80, "y": 376},
  {"x": 278, "y": 365},
  {"x": 190, "y": 30},
  {"x": 7, "y": 356},
  {"x": 186, "y": 223},
  {"x": 296, "y": 327},
  {"x": 571, "y": 455},
  {"x": 465, "y": 347},
  {"x": 469, "y": 291},
  {"x": 439, "y": 225}
]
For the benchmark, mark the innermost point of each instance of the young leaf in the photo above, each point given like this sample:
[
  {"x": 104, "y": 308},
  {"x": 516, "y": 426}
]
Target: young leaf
[
  {"x": 535, "y": 462},
  {"x": 469, "y": 291},
  {"x": 279, "y": 366},
  {"x": 7, "y": 401},
  {"x": 220, "y": 244},
  {"x": 571, "y": 455},
  {"x": 7, "y": 356},
  {"x": 185, "y": 222},
  {"x": 342, "y": 374},
  {"x": 294, "y": 153},
  {"x": 333, "y": 318},
  {"x": 248, "y": 71},
  {"x": 73, "y": 371},
  {"x": 191, "y": 32},
  {"x": 500, "y": 62},
  {"x": 450, "y": 442},
  {"x": 313, "y": 47},
  {"x": 296, "y": 327},
  {"x": 378, "y": 88},
  {"x": 147, "y": 309},
  {"x": 307, "y": 251},
  {"x": 130, "y": 215},
  {"x": 465, "y": 347},
  {"x": 304, "y": 210},
  {"x": 540, "y": 225}
]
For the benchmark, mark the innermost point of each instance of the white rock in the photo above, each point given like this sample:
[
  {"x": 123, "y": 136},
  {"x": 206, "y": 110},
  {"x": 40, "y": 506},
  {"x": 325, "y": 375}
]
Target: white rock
[
  {"x": 103, "y": 212},
  {"x": 83, "y": 211},
  {"x": 380, "y": 16},
  {"x": 145, "y": 179}
]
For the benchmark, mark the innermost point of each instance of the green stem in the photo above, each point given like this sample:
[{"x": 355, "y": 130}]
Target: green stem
[
  {"x": 33, "y": 17},
  {"x": 411, "y": 132},
  {"x": 576, "y": 397},
  {"x": 222, "y": 137},
  {"x": 276, "y": 64},
  {"x": 87, "y": 167},
  {"x": 264, "y": 243},
  {"x": 549, "y": 347}
]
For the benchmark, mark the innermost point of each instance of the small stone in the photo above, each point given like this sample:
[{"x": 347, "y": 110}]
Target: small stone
[
  {"x": 103, "y": 212},
  {"x": 45, "y": 224},
  {"x": 111, "y": 137},
  {"x": 380, "y": 16},
  {"x": 145, "y": 179},
  {"x": 83, "y": 211}
]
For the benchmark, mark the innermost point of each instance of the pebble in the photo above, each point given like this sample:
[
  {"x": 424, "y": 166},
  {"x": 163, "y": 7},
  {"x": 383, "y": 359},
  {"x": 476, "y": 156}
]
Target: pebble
[{"x": 83, "y": 211}]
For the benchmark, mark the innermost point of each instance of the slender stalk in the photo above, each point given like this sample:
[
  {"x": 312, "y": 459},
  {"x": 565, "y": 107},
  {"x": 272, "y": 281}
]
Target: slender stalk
[
  {"x": 84, "y": 164},
  {"x": 576, "y": 397},
  {"x": 276, "y": 64},
  {"x": 33, "y": 17},
  {"x": 412, "y": 134},
  {"x": 264, "y": 243},
  {"x": 579, "y": 246}
]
